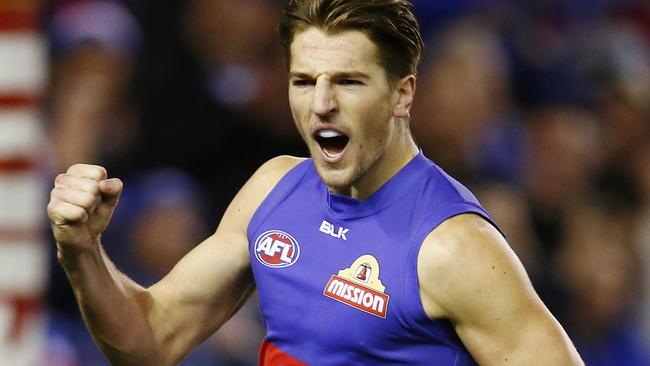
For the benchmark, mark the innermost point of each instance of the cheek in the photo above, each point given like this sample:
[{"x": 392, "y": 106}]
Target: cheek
[
  {"x": 372, "y": 138},
  {"x": 377, "y": 129},
  {"x": 301, "y": 127},
  {"x": 293, "y": 105},
  {"x": 297, "y": 107}
]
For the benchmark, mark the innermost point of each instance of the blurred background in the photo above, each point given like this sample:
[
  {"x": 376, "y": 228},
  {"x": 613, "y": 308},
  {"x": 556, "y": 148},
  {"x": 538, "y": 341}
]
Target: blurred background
[{"x": 541, "y": 107}]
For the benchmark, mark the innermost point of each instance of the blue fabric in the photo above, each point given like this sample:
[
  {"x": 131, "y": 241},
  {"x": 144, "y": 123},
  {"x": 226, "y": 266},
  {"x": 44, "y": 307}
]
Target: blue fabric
[
  {"x": 621, "y": 346},
  {"x": 322, "y": 316}
]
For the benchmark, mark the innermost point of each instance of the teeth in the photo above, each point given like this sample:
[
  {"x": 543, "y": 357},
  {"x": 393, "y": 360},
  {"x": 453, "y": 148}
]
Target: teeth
[{"x": 329, "y": 133}]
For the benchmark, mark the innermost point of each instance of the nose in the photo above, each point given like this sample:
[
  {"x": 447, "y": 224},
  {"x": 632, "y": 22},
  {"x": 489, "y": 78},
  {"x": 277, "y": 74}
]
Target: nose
[{"x": 324, "y": 101}]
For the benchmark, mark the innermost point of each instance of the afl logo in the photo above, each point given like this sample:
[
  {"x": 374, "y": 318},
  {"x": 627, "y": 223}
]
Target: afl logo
[{"x": 276, "y": 249}]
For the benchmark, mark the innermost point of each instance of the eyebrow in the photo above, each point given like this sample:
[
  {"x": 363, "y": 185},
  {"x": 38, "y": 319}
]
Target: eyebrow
[{"x": 335, "y": 75}]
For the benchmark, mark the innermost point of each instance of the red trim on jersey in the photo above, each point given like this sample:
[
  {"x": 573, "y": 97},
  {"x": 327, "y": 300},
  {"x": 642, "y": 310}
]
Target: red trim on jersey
[{"x": 270, "y": 355}]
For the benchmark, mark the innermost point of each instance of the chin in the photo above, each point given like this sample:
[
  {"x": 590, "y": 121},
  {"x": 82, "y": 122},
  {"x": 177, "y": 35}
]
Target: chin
[{"x": 335, "y": 179}]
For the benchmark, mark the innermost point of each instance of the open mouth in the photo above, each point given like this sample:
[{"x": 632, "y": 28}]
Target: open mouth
[{"x": 332, "y": 142}]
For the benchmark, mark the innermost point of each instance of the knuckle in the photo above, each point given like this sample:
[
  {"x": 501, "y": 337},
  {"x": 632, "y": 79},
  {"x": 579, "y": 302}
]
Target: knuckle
[
  {"x": 77, "y": 213},
  {"x": 59, "y": 193},
  {"x": 60, "y": 179},
  {"x": 95, "y": 185},
  {"x": 51, "y": 207},
  {"x": 96, "y": 171},
  {"x": 86, "y": 199},
  {"x": 73, "y": 168},
  {"x": 91, "y": 187},
  {"x": 101, "y": 170},
  {"x": 56, "y": 214},
  {"x": 56, "y": 196},
  {"x": 70, "y": 213}
]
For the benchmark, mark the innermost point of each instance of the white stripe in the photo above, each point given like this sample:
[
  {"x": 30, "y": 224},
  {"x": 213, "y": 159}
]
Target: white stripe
[
  {"x": 21, "y": 132},
  {"x": 22, "y": 62},
  {"x": 22, "y": 200},
  {"x": 6, "y": 320},
  {"x": 23, "y": 268},
  {"x": 29, "y": 350}
]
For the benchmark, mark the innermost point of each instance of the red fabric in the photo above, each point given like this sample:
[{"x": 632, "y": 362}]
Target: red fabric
[{"x": 270, "y": 355}]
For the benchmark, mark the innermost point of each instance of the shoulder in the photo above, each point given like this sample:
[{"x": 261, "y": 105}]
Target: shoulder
[
  {"x": 258, "y": 187},
  {"x": 270, "y": 173},
  {"x": 463, "y": 232},
  {"x": 452, "y": 189},
  {"x": 469, "y": 275},
  {"x": 461, "y": 238},
  {"x": 273, "y": 170},
  {"x": 460, "y": 257}
]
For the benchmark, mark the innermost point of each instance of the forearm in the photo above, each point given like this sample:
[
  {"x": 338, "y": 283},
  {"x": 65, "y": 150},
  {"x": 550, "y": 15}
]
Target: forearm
[{"x": 114, "y": 307}]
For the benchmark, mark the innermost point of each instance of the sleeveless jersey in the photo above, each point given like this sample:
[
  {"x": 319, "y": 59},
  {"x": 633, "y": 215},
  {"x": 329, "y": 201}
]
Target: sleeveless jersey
[{"x": 337, "y": 277}]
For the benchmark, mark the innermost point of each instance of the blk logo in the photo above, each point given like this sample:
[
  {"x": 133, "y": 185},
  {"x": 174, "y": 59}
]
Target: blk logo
[
  {"x": 276, "y": 249},
  {"x": 330, "y": 229}
]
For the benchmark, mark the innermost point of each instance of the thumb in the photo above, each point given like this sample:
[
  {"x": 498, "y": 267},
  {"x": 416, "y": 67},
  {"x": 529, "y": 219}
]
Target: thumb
[{"x": 111, "y": 190}]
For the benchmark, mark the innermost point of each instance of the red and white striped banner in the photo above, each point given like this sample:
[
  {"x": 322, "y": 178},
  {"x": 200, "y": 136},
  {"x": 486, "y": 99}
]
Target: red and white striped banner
[{"x": 23, "y": 255}]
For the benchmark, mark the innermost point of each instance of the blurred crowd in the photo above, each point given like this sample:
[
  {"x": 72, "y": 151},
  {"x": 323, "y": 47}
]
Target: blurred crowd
[{"x": 541, "y": 107}]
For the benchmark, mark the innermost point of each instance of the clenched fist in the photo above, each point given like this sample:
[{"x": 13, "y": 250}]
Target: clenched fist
[{"x": 81, "y": 205}]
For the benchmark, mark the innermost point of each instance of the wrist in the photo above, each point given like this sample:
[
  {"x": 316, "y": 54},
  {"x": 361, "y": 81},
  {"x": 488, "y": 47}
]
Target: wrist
[{"x": 67, "y": 255}]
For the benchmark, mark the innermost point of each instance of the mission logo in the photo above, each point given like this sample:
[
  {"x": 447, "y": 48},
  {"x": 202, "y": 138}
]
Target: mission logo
[
  {"x": 276, "y": 249},
  {"x": 359, "y": 286}
]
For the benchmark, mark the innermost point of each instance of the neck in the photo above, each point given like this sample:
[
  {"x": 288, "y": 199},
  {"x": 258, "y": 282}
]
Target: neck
[{"x": 391, "y": 161}]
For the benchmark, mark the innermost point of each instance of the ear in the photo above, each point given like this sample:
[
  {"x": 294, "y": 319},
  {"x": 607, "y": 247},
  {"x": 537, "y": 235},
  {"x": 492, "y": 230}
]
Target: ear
[{"x": 405, "y": 89}]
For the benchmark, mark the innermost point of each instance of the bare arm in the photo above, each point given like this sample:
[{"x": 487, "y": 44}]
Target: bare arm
[
  {"x": 159, "y": 325},
  {"x": 469, "y": 275}
]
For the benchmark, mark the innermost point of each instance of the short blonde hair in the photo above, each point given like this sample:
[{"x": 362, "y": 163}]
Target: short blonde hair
[{"x": 390, "y": 24}]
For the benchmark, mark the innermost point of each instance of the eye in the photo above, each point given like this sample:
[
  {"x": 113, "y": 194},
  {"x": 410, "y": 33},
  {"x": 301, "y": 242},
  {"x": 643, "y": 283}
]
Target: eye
[
  {"x": 349, "y": 82},
  {"x": 302, "y": 82}
]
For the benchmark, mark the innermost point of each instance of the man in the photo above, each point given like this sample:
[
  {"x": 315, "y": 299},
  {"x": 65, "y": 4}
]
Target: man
[{"x": 367, "y": 253}]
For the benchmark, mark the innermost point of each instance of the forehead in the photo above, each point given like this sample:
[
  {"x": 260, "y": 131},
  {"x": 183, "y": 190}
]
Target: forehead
[{"x": 314, "y": 51}]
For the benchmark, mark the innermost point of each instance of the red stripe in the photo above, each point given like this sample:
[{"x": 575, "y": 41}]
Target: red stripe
[
  {"x": 23, "y": 306},
  {"x": 16, "y": 165},
  {"x": 270, "y": 355},
  {"x": 18, "y": 20},
  {"x": 18, "y": 101}
]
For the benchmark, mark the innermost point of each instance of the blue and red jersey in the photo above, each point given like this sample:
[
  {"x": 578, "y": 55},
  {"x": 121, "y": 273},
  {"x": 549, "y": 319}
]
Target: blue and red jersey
[{"x": 337, "y": 277}]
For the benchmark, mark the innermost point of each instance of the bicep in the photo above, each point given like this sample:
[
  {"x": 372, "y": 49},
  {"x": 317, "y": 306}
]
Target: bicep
[
  {"x": 201, "y": 292},
  {"x": 477, "y": 282},
  {"x": 215, "y": 279}
]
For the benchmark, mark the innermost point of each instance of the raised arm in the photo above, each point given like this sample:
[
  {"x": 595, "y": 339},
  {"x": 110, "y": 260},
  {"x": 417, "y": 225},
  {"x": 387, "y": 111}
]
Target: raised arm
[
  {"x": 469, "y": 275},
  {"x": 160, "y": 325}
]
